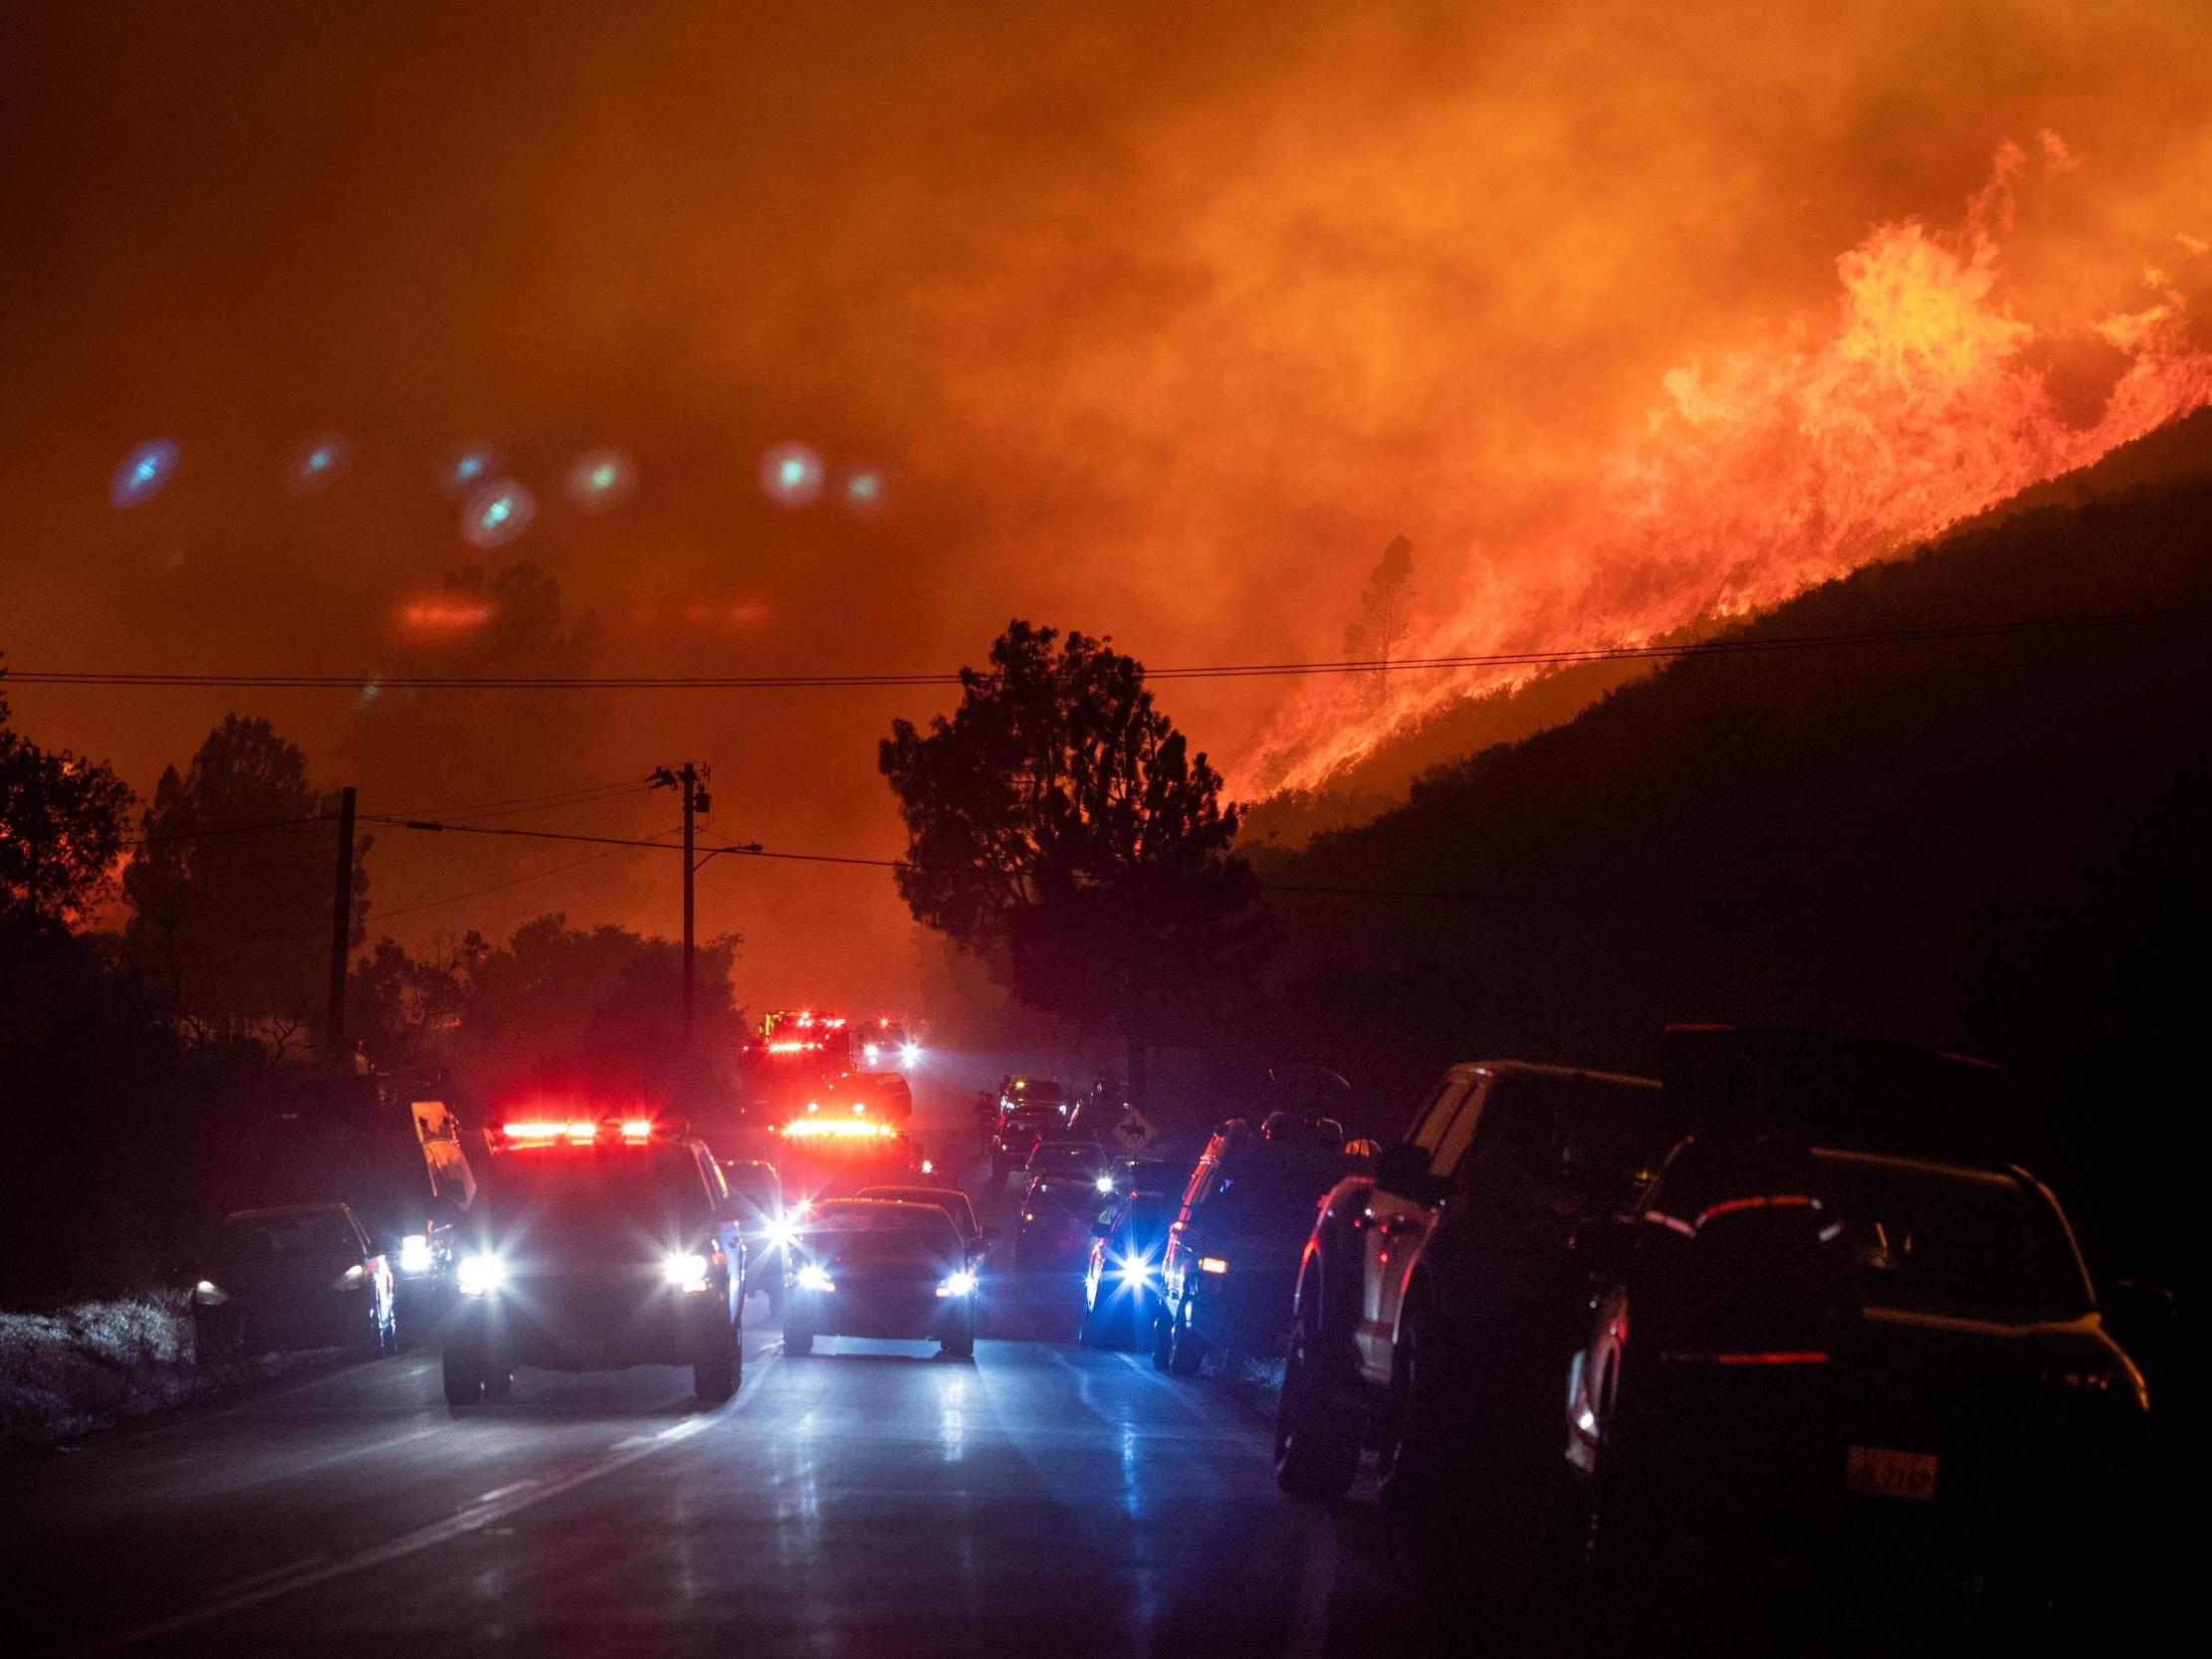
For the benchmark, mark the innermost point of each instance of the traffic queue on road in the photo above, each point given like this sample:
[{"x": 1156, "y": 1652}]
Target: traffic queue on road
[
  {"x": 1799, "y": 1293},
  {"x": 1864, "y": 1335}
]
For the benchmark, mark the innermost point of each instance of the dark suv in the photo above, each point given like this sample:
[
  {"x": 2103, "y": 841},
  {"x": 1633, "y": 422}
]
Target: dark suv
[
  {"x": 1231, "y": 1261},
  {"x": 600, "y": 1246},
  {"x": 1438, "y": 1299}
]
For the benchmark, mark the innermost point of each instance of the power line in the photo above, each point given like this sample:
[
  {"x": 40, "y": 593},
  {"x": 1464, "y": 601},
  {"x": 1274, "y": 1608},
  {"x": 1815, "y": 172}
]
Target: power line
[
  {"x": 537, "y": 803},
  {"x": 1752, "y": 646}
]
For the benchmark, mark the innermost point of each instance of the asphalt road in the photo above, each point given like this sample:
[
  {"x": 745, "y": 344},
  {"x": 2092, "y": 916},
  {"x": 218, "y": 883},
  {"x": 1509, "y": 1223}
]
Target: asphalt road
[{"x": 873, "y": 1498}]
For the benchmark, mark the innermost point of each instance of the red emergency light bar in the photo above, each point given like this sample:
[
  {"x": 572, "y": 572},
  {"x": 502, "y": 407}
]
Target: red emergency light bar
[
  {"x": 574, "y": 1131},
  {"x": 837, "y": 1129}
]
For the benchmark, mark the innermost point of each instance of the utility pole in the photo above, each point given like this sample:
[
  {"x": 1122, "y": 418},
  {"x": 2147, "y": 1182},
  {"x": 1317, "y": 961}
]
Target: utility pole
[
  {"x": 688, "y": 779},
  {"x": 341, "y": 931}
]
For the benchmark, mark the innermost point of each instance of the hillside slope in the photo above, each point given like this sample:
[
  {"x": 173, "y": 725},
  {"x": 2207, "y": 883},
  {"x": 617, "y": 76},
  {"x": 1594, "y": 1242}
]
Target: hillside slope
[
  {"x": 1997, "y": 844},
  {"x": 2171, "y": 457}
]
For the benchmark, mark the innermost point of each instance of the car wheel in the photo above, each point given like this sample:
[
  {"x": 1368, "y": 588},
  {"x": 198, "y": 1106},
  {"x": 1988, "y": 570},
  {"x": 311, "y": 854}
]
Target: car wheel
[
  {"x": 1317, "y": 1440},
  {"x": 1413, "y": 1467},
  {"x": 797, "y": 1341},
  {"x": 1185, "y": 1347},
  {"x": 961, "y": 1344},
  {"x": 716, "y": 1374},
  {"x": 463, "y": 1375},
  {"x": 1163, "y": 1337}
]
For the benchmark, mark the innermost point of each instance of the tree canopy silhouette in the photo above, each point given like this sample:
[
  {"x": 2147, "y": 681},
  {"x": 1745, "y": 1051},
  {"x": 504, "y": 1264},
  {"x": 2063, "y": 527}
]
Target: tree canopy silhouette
[
  {"x": 1060, "y": 827},
  {"x": 61, "y": 828},
  {"x": 234, "y": 920}
]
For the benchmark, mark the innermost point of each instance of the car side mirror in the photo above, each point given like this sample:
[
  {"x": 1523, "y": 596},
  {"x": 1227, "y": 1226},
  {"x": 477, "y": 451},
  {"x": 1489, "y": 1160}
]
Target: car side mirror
[{"x": 1403, "y": 1170}]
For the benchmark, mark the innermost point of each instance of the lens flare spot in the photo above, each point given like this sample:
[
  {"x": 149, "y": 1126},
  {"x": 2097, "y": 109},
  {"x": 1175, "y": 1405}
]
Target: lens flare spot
[
  {"x": 143, "y": 473},
  {"x": 791, "y": 475},
  {"x": 320, "y": 459},
  {"x": 497, "y": 513},
  {"x": 469, "y": 468},
  {"x": 601, "y": 479},
  {"x": 863, "y": 488},
  {"x": 444, "y": 617}
]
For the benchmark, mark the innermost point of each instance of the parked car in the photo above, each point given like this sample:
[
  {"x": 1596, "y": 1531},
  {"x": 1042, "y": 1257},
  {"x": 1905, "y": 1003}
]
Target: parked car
[
  {"x": 1121, "y": 1280},
  {"x": 390, "y": 1150},
  {"x": 869, "y": 1267},
  {"x": 1438, "y": 1301},
  {"x": 1229, "y": 1267},
  {"x": 297, "y": 1276},
  {"x": 1902, "y": 1356},
  {"x": 599, "y": 1246}
]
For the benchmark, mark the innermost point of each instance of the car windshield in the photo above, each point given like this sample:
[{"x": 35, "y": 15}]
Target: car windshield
[
  {"x": 951, "y": 1201},
  {"x": 877, "y": 1227},
  {"x": 600, "y": 1188},
  {"x": 278, "y": 1234},
  {"x": 1067, "y": 1158},
  {"x": 1935, "y": 1239}
]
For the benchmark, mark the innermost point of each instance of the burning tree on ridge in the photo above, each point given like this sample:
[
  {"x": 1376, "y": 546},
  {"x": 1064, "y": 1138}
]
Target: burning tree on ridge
[{"x": 1375, "y": 634}]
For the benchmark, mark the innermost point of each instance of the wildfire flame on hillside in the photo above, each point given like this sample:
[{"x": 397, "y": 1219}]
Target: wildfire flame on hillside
[{"x": 1784, "y": 465}]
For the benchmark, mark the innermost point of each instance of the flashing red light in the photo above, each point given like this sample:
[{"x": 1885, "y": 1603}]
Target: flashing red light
[{"x": 637, "y": 1128}]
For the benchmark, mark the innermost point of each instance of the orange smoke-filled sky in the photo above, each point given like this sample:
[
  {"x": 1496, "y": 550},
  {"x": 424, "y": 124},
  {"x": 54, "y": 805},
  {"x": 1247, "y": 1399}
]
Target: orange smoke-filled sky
[{"x": 1158, "y": 321}]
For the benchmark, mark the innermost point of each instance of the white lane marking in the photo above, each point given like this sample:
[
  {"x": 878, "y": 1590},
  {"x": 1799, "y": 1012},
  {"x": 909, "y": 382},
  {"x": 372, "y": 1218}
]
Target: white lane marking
[
  {"x": 1309, "y": 1612},
  {"x": 239, "y": 1586},
  {"x": 496, "y": 1505}
]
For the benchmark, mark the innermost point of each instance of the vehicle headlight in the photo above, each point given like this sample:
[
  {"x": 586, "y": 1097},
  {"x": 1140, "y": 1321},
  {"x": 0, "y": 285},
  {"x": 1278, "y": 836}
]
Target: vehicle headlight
[
  {"x": 777, "y": 1234},
  {"x": 1133, "y": 1270},
  {"x": 961, "y": 1283},
  {"x": 910, "y": 1053},
  {"x": 687, "y": 1273},
  {"x": 415, "y": 1253},
  {"x": 352, "y": 1279},
  {"x": 1104, "y": 1183},
  {"x": 209, "y": 1293},
  {"x": 480, "y": 1275},
  {"x": 1211, "y": 1264},
  {"x": 812, "y": 1277}
]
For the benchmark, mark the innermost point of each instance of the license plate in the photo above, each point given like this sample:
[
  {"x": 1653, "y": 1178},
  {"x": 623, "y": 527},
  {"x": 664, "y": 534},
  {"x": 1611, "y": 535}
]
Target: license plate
[{"x": 1883, "y": 1472}]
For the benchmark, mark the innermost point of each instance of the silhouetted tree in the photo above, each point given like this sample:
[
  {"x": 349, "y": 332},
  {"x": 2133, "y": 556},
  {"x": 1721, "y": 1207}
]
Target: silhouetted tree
[
  {"x": 233, "y": 921},
  {"x": 1381, "y": 628},
  {"x": 599, "y": 1006},
  {"x": 60, "y": 829},
  {"x": 1058, "y": 826}
]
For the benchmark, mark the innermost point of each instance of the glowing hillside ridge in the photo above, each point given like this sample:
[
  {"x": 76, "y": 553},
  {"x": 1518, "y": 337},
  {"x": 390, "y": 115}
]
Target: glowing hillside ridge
[{"x": 1781, "y": 465}]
